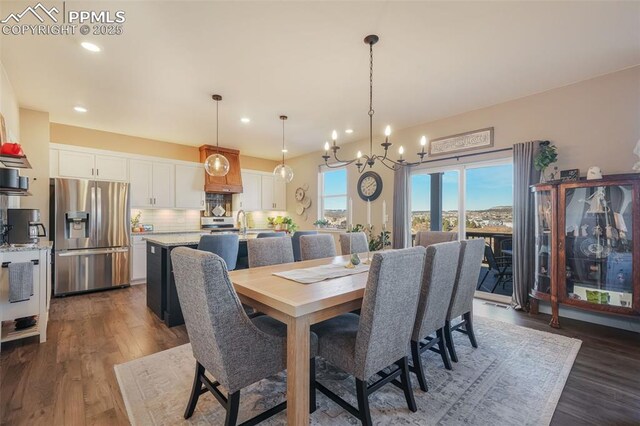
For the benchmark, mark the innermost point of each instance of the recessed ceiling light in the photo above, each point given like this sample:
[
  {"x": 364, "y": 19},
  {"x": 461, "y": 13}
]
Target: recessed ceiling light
[
  {"x": 80, "y": 109},
  {"x": 90, "y": 46},
  {"x": 285, "y": 150},
  {"x": 245, "y": 120},
  {"x": 349, "y": 131}
]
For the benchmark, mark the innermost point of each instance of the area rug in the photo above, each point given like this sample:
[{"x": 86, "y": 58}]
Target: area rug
[{"x": 514, "y": 377}]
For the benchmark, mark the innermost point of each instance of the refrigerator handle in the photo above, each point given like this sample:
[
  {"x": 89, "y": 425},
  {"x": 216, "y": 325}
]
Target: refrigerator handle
[
  {"x": 93, "y": 231},
  {"x": 98, "y": 213}
]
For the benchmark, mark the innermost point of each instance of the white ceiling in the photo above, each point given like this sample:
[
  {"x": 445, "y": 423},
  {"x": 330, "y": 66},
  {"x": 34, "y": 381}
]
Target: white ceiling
[{"x": 308, "y": 60}]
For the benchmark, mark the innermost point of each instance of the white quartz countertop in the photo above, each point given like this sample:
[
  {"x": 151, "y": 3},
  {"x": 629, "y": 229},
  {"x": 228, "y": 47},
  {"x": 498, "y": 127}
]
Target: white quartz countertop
[
  {"x": 185, "y": 239},
  {"x": 45, "y": 245}
]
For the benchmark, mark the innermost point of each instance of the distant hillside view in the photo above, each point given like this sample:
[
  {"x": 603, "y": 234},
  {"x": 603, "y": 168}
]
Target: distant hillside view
[
  {"x": 497, "y": 219},
  {"x": 336, "y": 218}
]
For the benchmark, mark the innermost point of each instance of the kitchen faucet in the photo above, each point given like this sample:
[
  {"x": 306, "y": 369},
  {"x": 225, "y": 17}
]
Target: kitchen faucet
[{"x": 243, "y": 223}]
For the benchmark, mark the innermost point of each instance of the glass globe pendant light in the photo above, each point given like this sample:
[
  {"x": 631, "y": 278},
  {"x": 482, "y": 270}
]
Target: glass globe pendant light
[
  {"x": 283, "y": 171},
  {"x": 217, "y": 164}
]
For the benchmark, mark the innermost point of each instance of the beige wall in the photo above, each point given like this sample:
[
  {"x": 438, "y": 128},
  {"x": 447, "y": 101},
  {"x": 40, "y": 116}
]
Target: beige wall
[
  {"x": 34, "y": 132},
  {"x": 81, "y": 136},
  {"x": 594, "y": 122},
  {"x": 9, "y": 107}
]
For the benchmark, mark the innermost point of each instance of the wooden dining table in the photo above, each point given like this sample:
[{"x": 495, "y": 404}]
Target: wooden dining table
[{"x": 299, "y": 306}]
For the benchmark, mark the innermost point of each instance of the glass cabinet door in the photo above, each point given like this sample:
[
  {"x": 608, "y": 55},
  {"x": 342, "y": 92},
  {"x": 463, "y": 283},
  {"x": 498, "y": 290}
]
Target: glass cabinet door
[
  {"x": 598, "y": 245},
  {"x": 544, "y": 217}
]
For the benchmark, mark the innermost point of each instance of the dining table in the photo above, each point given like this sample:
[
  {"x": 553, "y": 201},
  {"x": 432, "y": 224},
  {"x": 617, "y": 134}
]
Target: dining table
[{"x": 299, "y": 306}]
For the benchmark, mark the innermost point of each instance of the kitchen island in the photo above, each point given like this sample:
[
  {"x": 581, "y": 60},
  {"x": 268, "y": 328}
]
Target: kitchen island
[{"x": 162, "y": 297}]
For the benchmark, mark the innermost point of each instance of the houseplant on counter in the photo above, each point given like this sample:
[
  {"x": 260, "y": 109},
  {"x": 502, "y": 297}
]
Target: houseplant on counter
[
  {"x": 321, "y": 223},
  {"x": 282, "y": 223}
]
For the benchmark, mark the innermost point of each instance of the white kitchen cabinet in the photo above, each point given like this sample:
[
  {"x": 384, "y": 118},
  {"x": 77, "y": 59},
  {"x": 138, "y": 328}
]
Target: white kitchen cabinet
[
  {"x": 279, "y": 195},
  {"x": 84, "y": 165},
  {"x": 152, "y": 184},
  {"x": 190, "y": 187},
  {"x": 138, "y": 259},
  {"x": 250, "y": 199},
  {"x": 141, "y": 183},
  {"x": 267, "y": 193}
]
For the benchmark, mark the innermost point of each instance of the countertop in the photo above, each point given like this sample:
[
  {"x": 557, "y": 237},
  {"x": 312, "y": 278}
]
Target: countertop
[
  {"x": 185, "y": 239},
  {"x": 47, "y": 245}
]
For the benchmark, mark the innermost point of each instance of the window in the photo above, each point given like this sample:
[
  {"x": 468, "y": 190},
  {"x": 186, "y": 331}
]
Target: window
[{"x": 333, "y": 198}]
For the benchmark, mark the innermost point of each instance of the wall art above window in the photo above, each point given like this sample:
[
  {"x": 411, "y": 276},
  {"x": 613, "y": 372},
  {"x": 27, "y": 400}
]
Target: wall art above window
[{"x": 468, "y": 141}]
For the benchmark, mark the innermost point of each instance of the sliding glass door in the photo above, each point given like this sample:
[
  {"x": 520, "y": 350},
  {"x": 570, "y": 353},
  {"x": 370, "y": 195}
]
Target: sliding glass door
[{"x": 475, "y": 200}]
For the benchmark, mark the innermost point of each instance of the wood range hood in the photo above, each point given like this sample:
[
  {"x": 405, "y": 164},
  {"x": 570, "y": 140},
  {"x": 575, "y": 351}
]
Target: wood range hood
[{"x": 229, "y": 184}]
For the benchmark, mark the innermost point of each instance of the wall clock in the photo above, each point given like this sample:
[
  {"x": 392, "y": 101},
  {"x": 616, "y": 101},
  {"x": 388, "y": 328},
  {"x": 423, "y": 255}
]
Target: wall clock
[{"x": 369, "y": 186}]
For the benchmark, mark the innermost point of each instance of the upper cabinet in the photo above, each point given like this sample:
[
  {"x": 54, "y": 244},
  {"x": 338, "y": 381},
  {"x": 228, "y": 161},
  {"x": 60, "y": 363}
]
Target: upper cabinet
[
  {"x": 83, "y": 165},
  {"x": 152, "y": 184},
  {"x": 189, "y": 192},
  {"x": 232, "y": 182},
  {"x": 261, "y": 192}
]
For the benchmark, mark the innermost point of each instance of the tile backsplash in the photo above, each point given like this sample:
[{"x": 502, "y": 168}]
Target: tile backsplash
[{"x": 169, "y": 220}]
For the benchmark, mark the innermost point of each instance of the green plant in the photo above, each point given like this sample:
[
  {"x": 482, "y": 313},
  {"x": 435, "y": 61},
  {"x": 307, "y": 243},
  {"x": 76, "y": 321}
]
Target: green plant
[
  {"x": 321, "y": 223},
  {"x": 546, "y": 156},
  {"x": 376, "y": 241},
  {"x": 135, "y": 220},
  {"x": 287, "y": 221}
]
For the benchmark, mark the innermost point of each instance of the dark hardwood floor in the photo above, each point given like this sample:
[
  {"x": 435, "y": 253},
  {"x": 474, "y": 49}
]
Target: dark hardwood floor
[{"x": 69, "y": 380}]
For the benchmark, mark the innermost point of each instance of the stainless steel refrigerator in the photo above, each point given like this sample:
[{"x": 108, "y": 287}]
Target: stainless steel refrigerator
[{"x": 91, "y": 232}]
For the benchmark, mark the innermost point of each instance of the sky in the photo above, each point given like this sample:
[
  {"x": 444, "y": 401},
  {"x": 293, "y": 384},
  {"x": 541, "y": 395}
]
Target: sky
[{"x": 486, "y": 187}]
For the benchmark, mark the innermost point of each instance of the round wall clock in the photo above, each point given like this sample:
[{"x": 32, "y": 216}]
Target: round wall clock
[{"x": 369, "y": 186}]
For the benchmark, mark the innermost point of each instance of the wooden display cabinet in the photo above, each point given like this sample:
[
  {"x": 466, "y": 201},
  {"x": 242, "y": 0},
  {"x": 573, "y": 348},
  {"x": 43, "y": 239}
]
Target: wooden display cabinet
[{"x": 591, "y": 243}]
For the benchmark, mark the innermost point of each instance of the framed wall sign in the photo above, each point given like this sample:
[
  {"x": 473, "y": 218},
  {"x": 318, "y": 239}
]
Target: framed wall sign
[
  {"x": 468, "y": 141},
  {"x": 569, "y": 175}
]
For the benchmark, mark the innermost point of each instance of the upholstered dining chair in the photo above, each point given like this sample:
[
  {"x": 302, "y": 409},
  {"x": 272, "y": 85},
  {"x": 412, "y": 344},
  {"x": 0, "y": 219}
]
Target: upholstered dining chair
[
  {"x": 235, "y": 350},
  {"x": 461, "y": 305},
  {"x": 269, "y": 251},
  {"x": 438, "y": 278},
  {"x": 224, "y": 245},
  {"x": 317, "y": 246},
  {"x": 353, "y": 242},
  {"x": 295, "y": 241},
  {"x": 426, "y": 238},
  {"x": 378, "y": 338},
  {"x": 271, "y": 234}
]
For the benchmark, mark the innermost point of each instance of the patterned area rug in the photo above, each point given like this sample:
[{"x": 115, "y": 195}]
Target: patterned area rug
[{"x": 515, "y": 377}]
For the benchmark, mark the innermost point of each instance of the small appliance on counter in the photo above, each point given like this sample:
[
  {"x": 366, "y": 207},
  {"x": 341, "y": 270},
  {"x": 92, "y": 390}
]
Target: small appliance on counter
[{"x": 24, "y": 227}]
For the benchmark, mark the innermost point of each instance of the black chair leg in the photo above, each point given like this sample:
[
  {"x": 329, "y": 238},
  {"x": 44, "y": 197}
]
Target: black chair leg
[
  {"x": 312, "y": 386},
  {"x": 468, "y": 326},
  {"x": 196, "y": 390},
  {"x": 417, "y": 366},
  {"x": 483, "y": 278},
  {"x": 406, "y": 384},
  {"x": 443, "y": 350},
  {"x": 363, "y": 402},
  {"x": 449, "y": 340},
  {"x": 233, "y": 406}
]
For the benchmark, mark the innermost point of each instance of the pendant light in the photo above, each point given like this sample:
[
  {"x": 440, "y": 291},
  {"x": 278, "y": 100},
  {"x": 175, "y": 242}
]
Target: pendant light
[
  {"x": 283, "y": 171},
  {"x": 217, "y": 164}
]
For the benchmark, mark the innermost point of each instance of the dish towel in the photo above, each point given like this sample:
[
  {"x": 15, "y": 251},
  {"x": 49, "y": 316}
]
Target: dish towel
[
  {"x": 20, "y": 281},
  {"x": 321, "y": 273}
]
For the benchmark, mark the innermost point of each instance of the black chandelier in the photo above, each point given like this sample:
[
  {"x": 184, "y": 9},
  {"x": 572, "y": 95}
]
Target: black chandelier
[{"x": 361, "y": 161}]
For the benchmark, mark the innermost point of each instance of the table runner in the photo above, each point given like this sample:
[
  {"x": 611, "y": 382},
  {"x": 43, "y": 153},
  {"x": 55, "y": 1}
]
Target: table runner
[{"x": 321, "y": 273}]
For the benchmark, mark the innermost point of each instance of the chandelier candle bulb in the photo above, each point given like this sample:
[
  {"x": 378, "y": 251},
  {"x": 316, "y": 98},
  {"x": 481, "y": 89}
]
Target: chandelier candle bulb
[
  {"x": 384, "y": 211},
  {"x": 369, "y": 213},
  {"x": 359, "y": 155},
  {"x": 350, "y": 224}
]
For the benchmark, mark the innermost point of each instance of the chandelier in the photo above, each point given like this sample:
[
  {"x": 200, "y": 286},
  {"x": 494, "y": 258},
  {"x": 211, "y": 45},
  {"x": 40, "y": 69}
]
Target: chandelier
[
  {"x": 217, "y": 164},
  {"x": 362, "y": 161},
  {"x": 283, "y": 171}
]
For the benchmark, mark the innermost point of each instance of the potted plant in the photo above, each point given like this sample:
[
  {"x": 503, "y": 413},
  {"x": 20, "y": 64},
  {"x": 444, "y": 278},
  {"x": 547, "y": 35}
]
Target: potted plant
[
  {"x": 547, "y": 155},
  {"x": 282, "y": 223},
  {"x": 321, "y": 223}
]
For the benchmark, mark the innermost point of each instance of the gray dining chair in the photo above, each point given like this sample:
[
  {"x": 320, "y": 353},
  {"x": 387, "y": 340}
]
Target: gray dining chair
[
  {"x": 426, "y": 238},
  {"x": 295, "y": 242},
  {"x": 365, "y": 345},
  {"x": 461, "y": 305},
  {"x": 317, "y": 246},
  {"x": 271, "y": 234},
  {"x": 353, "y": 242},
  {"x": 438, "y": 278},
  {"x": 224, "y": 245},
  {"x": 235, "y": 350},
  {"x": 269, "y": 251}
]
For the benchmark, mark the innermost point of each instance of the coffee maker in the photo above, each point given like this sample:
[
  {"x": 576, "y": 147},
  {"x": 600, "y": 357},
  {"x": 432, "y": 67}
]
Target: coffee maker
[{"x": 24, "y": 226}]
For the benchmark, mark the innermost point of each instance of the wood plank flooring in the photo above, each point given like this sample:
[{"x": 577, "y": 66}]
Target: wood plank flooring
[{"x": 69, "y": 380}]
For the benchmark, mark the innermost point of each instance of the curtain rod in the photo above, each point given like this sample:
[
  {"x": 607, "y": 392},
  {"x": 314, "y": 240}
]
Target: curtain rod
[{"x": 458, "y": 157}]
